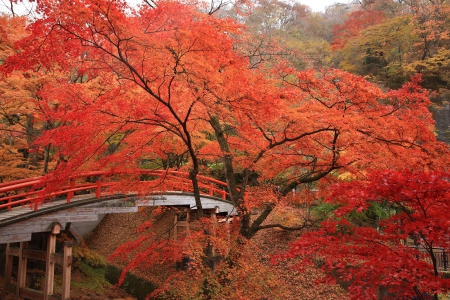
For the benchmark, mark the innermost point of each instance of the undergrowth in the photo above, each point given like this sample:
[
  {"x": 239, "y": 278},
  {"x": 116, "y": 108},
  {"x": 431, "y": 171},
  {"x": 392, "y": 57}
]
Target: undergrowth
[{"x": 93, "y": 267}]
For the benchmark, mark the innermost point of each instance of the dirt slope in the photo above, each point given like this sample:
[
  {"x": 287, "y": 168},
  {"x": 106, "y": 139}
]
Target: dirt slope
[{"x": 116, "y": 229}]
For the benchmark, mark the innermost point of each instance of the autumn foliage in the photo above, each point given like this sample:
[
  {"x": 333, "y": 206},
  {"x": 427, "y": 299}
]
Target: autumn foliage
[
  {"x": 355, "y": 23},
  {"x": 172, "y": 86},
  {"x": 402, "y": 254}
]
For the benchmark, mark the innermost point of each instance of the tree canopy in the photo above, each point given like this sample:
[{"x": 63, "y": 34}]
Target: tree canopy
[{"x": 177, "y": 86}]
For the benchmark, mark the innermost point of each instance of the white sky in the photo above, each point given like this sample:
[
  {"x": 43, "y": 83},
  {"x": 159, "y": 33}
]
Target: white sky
[
  {"x": 316, "y": 5},
  {"x": 319, "y": 5}
]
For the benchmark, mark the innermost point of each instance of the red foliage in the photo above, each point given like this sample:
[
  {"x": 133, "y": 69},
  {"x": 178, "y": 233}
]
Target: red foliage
[
  {"x": 356, "y": 21},
  {"x": 369, "y": 258}
]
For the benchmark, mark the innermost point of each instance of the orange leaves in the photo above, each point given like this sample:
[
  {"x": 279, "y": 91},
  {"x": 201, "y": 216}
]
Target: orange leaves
[
  {"x": 138, "y": 85},
  {"x": 258, "y": 196},
  {"x": 210, "y": 262}
]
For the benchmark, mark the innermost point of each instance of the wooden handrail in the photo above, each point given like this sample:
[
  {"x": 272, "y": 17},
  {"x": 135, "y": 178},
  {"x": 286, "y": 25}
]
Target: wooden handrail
[{"x": 33, "y": 191}]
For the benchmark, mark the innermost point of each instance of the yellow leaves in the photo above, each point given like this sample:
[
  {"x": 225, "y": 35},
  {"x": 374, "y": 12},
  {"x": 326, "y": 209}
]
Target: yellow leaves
[
  {"x": 347, "y": 176},
  {"x": 379, "y": 45},
  {"x": 85, "y": 255},
  {"x": 13, "y": 164},
  {"x": 437, "y": 65}
]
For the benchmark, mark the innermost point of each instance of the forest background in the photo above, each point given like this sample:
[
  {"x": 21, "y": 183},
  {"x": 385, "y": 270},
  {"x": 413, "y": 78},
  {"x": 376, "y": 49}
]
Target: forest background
[{"x": 267, "y": 96}]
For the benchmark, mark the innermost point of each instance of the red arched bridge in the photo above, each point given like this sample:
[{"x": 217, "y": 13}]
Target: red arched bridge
[
  {"x": 44, "y": 204},
  {"x": 33, "y": 204}
]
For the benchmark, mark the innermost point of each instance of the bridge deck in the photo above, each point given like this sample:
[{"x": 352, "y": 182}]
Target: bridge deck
[
  {"x": 20, "y": 222},
  {"x": 22, "y": 211}
]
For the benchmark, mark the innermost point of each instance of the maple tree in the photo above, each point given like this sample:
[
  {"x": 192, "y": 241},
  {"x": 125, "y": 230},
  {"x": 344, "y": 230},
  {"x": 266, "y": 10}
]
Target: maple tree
[
  {"x": 137, "y": 88},
  {"x": 20, "y": 121},
  {"x": 402, "y": 255},
  {"x": 355, "y": 23},
  {"x": 106, "y": 33}
]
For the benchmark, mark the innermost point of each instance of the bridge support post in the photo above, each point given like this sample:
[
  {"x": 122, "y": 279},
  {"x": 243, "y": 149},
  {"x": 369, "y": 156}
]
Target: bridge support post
[
  {"x": 8, "y": 270},
  {"x": 98, "y": 189},
  {"x": 21, "y": 271},
  {"x": 180, "y": 222},
  {"x": 67, "y": 265},
  {"x": 49, "y": 263},
  {"x": 175, "y": 228},
  {"x": 50, "y": 258}
]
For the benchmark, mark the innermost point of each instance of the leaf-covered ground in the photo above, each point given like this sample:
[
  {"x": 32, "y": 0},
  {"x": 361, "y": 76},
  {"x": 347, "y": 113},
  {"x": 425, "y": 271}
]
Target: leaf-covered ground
[{"x": 116, "y": 229}]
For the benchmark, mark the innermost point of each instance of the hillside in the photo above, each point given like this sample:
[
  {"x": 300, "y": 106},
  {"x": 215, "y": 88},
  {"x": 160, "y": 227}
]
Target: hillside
[{"x": 116, "y": 229}]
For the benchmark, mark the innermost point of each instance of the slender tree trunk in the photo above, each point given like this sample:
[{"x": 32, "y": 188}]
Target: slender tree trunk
[
  {"x": 236, "y": 196},
  {"x": 46, "y": 158},
  {"x": 33, "y": 156}
]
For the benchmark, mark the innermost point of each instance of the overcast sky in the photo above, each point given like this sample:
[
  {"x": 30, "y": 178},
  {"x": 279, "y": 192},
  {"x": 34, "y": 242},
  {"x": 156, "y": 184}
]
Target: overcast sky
[
  {"x": 319, "y": 5},
  {"x": 316, "y": 5}
]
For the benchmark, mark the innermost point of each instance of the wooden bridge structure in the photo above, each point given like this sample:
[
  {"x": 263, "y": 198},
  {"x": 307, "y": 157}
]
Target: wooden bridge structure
[{"x": 38, "y": 205}]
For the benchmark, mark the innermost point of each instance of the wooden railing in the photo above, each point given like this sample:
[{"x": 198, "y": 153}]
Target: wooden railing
[
  {"x": 442, "y": 256},
  {"x": 34, "y": 191}
]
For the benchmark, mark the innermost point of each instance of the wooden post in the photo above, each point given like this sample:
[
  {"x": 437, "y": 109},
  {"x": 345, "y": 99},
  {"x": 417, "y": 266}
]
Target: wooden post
[
  {"x": 98, "y": 190},
  {"x": 177, "y": 223},
  {"x": 187, "y": 223},
  {"x": 22, "y": 270},
  {"x": 71, "y": 193},
  {"x": 50, "y": 266},
  {"x": 67, "y": 265},
  {"x": 175, "y": 227},
  {"x": 8, "y": 270},
  {"x": 444, "y": 259}
]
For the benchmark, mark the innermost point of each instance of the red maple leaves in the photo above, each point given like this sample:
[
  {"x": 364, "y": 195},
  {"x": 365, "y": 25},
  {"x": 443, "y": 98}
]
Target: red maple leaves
[{"x": 404, "y": 254}]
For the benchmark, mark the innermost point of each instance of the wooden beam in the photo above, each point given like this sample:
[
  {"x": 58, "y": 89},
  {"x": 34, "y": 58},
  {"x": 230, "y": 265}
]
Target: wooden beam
[
  {"x": 36, "y": 295},
  {"x": 9, "y": 288},
  {"x": 42, "y": 255},
  {"x": 67, "y": 265},
  {"x": 15, "y": 238},
  {"x": 31, "y": 294}
]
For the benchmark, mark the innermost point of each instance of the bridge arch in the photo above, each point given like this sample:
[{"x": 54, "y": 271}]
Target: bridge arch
[{"x": 28, "y": 206}]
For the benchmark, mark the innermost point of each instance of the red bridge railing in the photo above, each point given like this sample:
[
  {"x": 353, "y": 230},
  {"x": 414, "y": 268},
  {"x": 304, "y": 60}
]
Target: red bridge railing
[{"x": 34, "y": 191}]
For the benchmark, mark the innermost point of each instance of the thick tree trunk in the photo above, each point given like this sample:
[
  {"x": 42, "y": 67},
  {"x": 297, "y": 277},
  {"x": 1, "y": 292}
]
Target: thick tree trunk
[{"x": 198, "y": 203}]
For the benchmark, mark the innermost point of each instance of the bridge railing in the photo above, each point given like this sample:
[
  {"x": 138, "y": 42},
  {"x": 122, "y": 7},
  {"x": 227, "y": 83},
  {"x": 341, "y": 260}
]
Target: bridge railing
[{"x": 34, "y": 192}]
